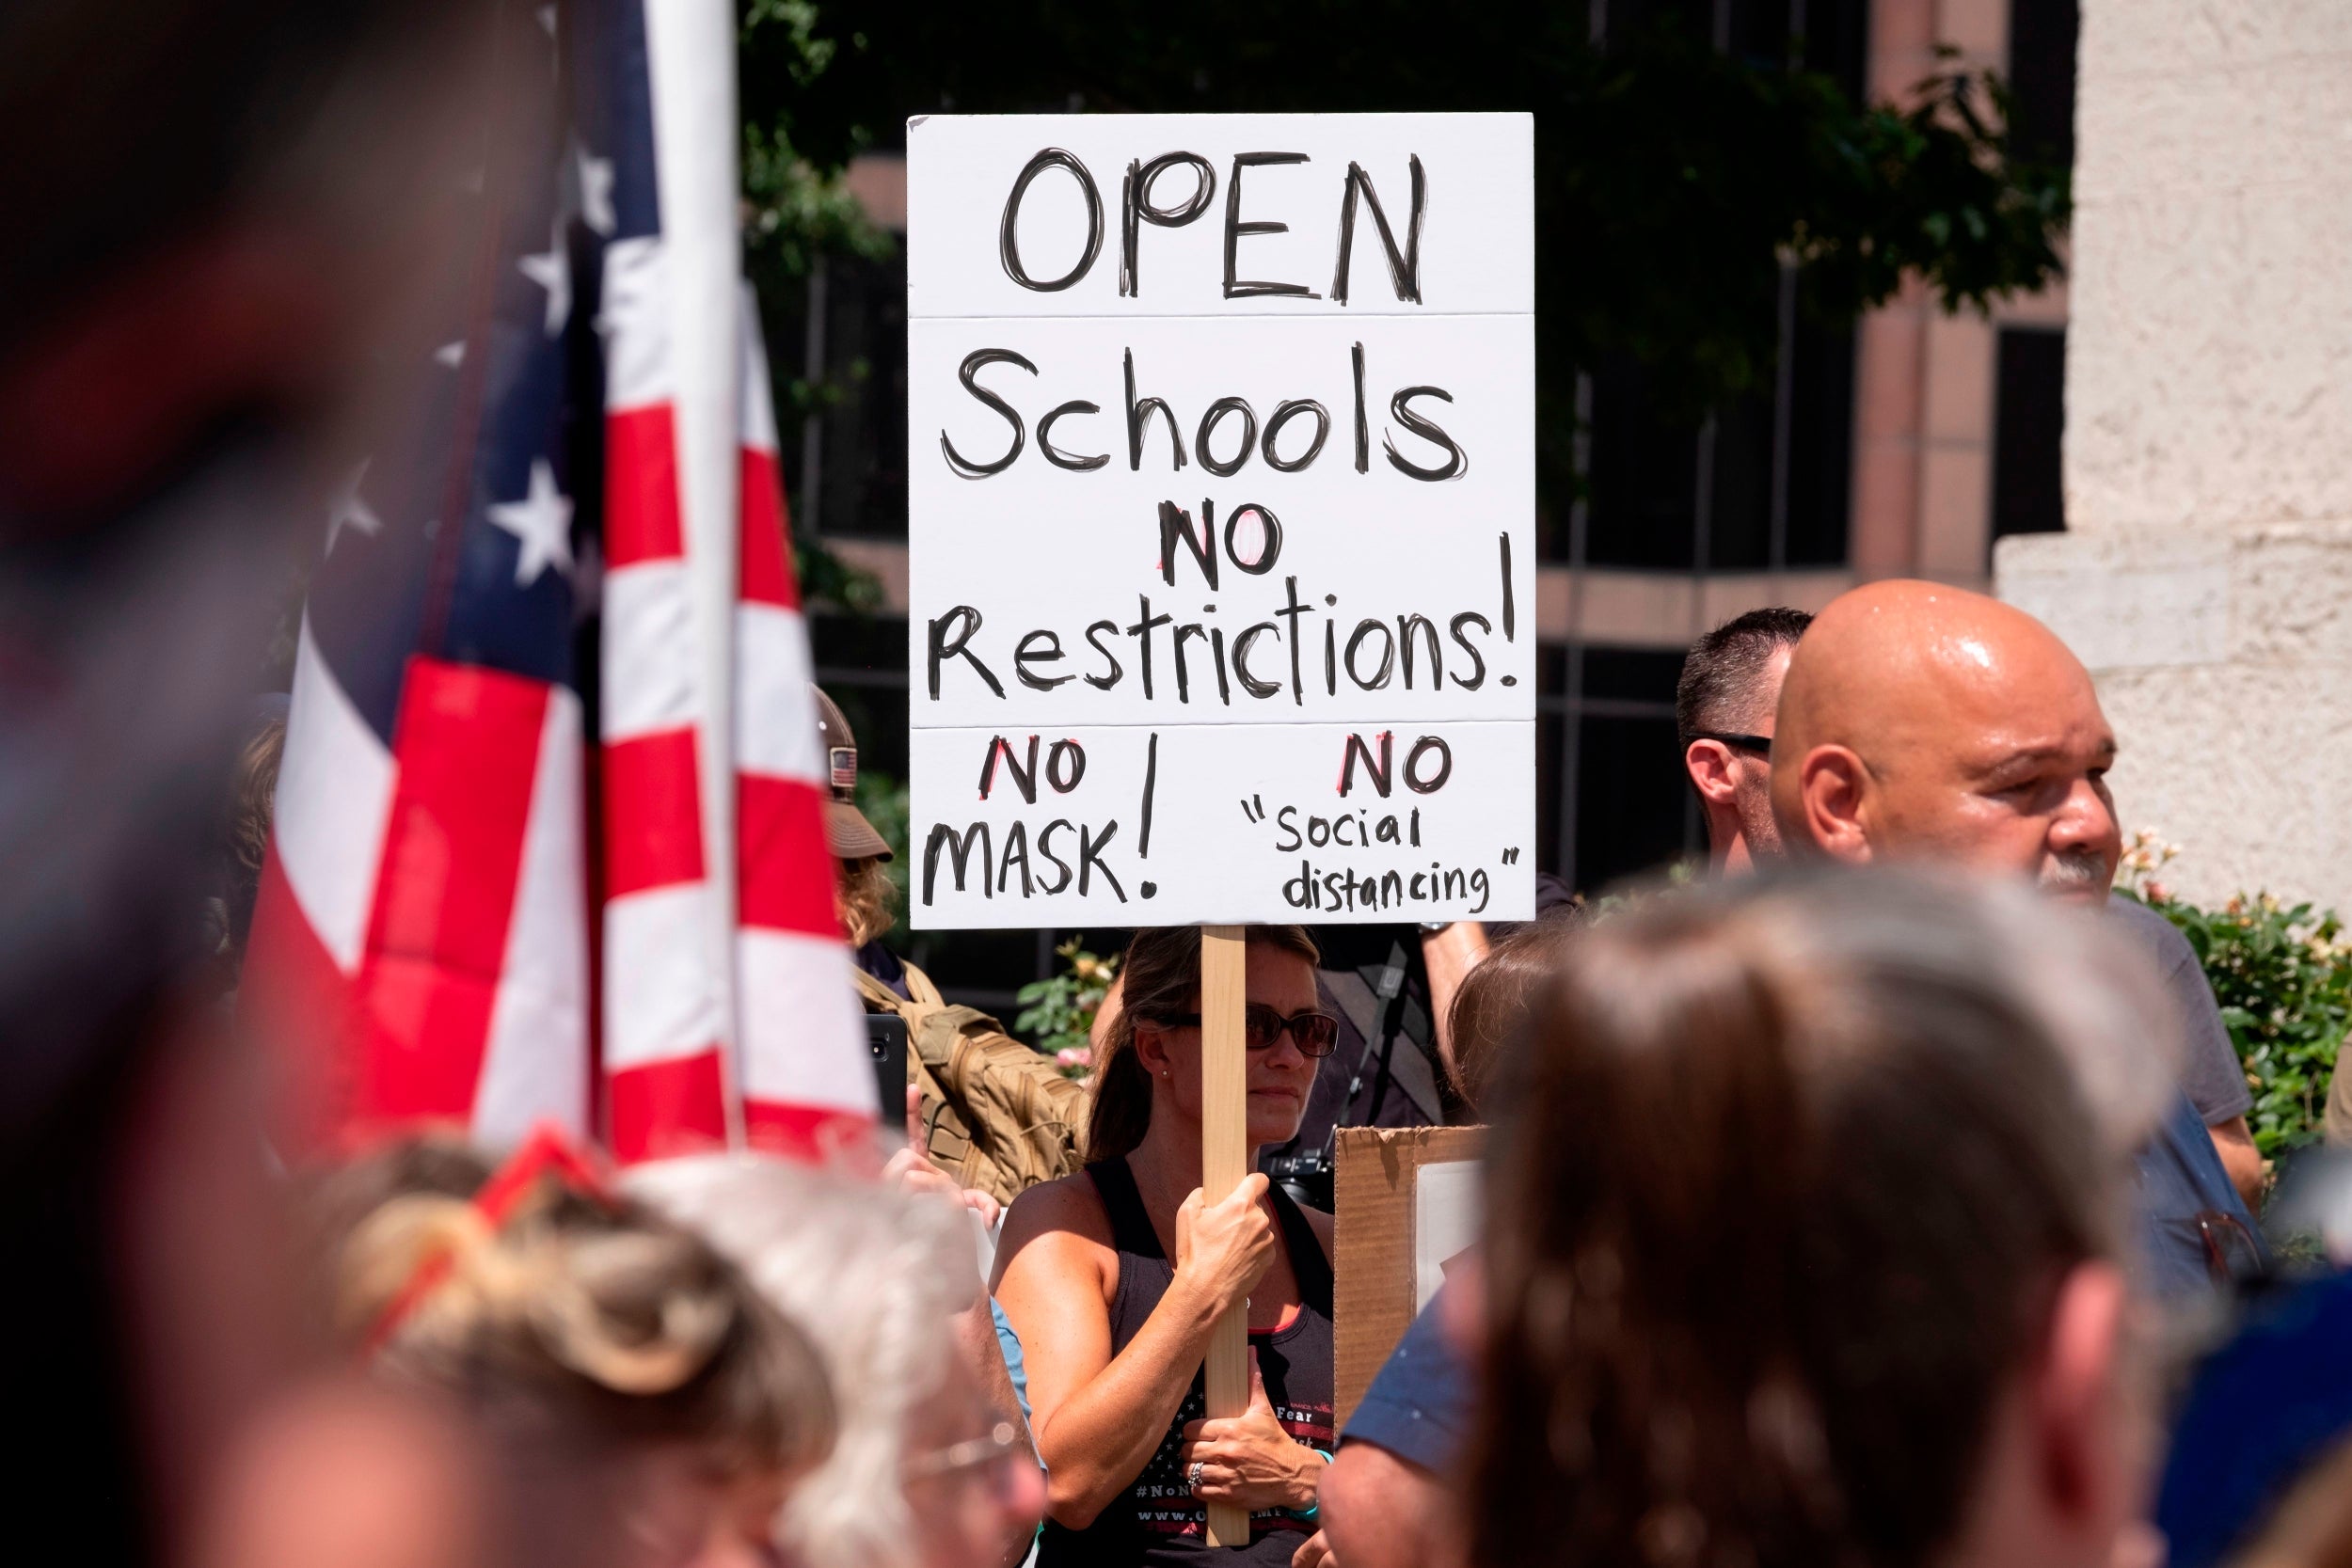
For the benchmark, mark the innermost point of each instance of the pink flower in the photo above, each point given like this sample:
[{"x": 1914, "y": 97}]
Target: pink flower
[{"x": 2158, "y": 893}]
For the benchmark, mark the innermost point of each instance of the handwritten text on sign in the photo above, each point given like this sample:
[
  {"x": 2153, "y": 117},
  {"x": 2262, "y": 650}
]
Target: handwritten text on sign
[{"x": 1221, "y": 489}]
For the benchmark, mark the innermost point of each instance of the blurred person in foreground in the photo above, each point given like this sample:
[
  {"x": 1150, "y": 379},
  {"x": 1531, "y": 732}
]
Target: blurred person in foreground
[
  {"x": 990, "y": 1113},
  {"x": 2262, "y": 1436},
  {"x": 1805, "y": 1240},
  {"x": 2311, "y": 1525},
  {"x": 933, "y": 1467},
  {"x": 1923, "y": 722},
  {"x": 1115, "y": 1276},
  {"x": 1390, "y": 1498},
  {"x": 1725, "y": 704},
  {"x": 243, "y": 209},
  {"x": 645, "y": 1407}
]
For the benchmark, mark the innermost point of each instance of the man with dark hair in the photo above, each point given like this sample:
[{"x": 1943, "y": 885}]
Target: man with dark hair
[{"x": 1724, "y": 706}]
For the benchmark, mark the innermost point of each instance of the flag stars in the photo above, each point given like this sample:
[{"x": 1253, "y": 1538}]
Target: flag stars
[
  {"x": 595, "y": 193},
  {"x": 552, "y": 269},
  {"x": 541, "y": 522},
  {"x": 351, "y": 510}
]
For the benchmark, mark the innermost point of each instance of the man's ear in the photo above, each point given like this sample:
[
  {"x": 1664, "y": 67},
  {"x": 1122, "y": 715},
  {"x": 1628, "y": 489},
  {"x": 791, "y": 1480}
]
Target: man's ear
[
  {"x": 1709, "y": 763},
  {"x": 1833, "y": 793},
  {"x": 2077, "y": 1402}
]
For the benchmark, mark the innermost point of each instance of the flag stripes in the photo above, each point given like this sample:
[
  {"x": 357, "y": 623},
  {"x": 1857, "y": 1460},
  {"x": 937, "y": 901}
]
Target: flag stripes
[{"x": 421, "y": 932}]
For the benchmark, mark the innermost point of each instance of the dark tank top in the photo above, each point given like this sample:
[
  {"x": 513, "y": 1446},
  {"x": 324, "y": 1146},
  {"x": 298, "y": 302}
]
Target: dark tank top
[{"x": 1158, "y": 1521}]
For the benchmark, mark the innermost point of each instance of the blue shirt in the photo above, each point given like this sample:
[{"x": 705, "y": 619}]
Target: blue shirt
[
  {"x": 1015, "y": 1365},
  {"x": 1418, "y": 1405},
  {"x": 2185, "y": 1198}
]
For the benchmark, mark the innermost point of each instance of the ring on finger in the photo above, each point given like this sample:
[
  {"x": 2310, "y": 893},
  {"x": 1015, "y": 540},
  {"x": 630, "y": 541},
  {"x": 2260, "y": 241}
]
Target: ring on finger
[{"x": 1192, "y": 1479}]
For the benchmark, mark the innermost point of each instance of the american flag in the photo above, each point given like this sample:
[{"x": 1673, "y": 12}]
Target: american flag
[{"x": 490, "y": 899}]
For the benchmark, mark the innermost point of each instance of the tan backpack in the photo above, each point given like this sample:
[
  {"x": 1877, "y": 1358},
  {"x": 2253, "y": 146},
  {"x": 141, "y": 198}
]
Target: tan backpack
[{"x": 997, "y": 1115}]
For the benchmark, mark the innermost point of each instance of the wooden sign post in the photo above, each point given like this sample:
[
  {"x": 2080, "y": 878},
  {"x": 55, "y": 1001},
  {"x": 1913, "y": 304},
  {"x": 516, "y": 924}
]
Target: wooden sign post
[{"x": 1224, "y": 1161}]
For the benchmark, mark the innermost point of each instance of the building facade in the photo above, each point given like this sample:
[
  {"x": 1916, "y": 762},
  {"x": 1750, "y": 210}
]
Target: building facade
[
  {"x": 2208, "y": 566},
  {"x": 1901, "y": 447}
]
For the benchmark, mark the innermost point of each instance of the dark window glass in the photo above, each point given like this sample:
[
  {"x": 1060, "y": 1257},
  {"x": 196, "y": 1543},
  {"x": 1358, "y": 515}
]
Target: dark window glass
[
  {"x": 1644, "y": 479},
  {"x": 981, "y": 968},
  {"x": 1625, "y": 20},
  {"x": 1552, "y": 672},
  {"x": 859, "y": 386},
  {"x": 1628, "y": 810},
  {"x": 1550, "y": 729},
  {"x": 1821, "y": 446},
  {"x": 1631, "y": 675},
  {"x": 1647, "y": 483},
  {"x": 2041, "y": 35},
  {"x": 1837, "y": 39},
  {"x": 862, "y": 664},
  {"x": 2029, "y": 425},
  {"x": 1632, "y": 799},
  {"x": 1758, "y": 31},
  {"x": 1739, "y": 533},
  {"x": 865, "y": 479}
]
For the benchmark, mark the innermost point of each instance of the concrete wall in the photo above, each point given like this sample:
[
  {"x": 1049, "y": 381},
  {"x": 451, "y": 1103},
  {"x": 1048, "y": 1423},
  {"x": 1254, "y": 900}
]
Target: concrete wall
[{"x": 2206, "y": 576}]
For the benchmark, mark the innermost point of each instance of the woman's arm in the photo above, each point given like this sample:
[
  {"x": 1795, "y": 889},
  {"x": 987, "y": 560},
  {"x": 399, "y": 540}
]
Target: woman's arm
[{"x": 1098, "y": 1417}]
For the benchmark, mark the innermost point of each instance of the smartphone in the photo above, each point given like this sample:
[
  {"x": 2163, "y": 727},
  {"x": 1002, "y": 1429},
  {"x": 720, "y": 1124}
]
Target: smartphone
[{"x": 886, "y": 1041}]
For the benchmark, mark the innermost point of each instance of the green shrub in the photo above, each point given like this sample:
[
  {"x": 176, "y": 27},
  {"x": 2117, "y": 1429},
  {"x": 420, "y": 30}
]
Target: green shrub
[
  {"x": 1058, "y": 1014},
  {"x": 2283, "y": 977}
]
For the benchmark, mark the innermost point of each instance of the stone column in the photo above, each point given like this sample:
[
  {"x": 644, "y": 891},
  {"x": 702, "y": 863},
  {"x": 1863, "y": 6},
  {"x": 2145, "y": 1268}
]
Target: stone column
[{"x": 2206, "y": 573}]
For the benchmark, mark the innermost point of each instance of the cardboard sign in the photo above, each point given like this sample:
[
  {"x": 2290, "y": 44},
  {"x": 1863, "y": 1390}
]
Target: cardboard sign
[
  {"x": 1221, "y": 580},
  {"x": 1404, "y": 1202}
]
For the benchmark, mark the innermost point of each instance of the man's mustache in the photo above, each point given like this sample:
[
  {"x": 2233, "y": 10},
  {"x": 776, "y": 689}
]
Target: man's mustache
[{"x": 2076, "y": 868}]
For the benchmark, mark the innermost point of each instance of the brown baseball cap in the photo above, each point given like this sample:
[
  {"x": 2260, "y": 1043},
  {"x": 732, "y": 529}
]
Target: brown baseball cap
[{"x": 848, "y": 834}]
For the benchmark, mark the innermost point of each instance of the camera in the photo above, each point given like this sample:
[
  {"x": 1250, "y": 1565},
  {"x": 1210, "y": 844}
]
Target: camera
[{"x": 1306, "y": 1176}]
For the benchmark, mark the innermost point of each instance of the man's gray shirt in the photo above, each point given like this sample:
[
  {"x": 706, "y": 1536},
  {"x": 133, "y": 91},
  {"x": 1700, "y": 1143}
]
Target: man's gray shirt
[{"x": 2210, "y": 1073}]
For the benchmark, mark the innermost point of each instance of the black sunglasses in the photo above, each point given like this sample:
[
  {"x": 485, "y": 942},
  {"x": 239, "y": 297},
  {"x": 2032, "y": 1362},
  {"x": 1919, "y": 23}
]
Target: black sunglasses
[
  {"x": 1317, "y": 1034},
  {"x": 1760, "y": 744}
]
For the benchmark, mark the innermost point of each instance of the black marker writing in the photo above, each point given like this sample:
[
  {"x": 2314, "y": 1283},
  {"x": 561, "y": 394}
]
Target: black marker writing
[
  {"x": 1008, "y": 242},
  {"x": 1236, "y": 229},
  {"x": 1404, "y": 266},
  {"x": 975, "y": 362},
  {"x": 1151, "y": 783},
  {"x": 1137, "y": 208}
]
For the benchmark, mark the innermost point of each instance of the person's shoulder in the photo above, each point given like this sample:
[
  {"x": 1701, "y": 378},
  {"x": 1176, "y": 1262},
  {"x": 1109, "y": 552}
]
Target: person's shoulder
[
  {"x": 1061, "y": 1227},
  {"x": 2159, "y": 936},
  {"x": 919, "y": 985},
  {"x": 1068, "y": 1204}
]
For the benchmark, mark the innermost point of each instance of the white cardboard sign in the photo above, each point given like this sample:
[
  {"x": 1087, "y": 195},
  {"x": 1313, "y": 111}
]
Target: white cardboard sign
[{"x": 1221, "y": 434}]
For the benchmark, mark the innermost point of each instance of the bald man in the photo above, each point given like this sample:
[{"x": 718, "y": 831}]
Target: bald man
[{"x": 1925, "y": 722}]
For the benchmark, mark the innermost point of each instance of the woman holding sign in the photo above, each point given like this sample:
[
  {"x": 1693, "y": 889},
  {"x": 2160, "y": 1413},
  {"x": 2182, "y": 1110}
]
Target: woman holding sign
[{"x": 1115, "y": 1332}]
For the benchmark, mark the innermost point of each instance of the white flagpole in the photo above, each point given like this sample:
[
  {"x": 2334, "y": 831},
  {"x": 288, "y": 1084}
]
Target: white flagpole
[{"x": 690, "y": 51}]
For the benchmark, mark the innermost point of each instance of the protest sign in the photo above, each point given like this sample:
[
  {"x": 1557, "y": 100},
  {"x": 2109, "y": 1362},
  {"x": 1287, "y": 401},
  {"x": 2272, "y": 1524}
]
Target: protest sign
[
  {"x": 1221, "y": 518},
  {"x": 1405, "y": 1207}
]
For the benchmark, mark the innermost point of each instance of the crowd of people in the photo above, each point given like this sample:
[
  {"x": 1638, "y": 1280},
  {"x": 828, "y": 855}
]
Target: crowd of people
[{"x": 1844, "y": 1205}]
